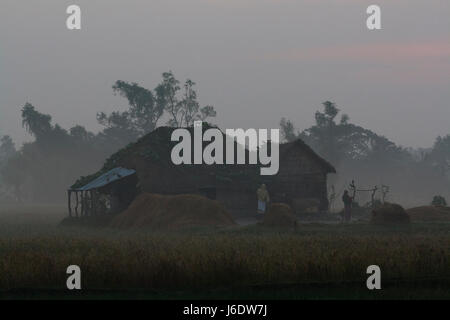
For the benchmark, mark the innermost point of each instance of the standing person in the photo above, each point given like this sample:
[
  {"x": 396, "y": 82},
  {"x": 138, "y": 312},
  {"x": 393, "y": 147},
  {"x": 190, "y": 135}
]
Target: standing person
[
  {"x": 263, "y": 199},
  {"x": 347, "y": 206}
]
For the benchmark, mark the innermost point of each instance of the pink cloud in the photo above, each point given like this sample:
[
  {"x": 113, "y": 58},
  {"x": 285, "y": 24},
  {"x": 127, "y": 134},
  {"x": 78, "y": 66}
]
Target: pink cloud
[
  {"x": 402, "y": 62},
  {"x": 383, "y": 52}
]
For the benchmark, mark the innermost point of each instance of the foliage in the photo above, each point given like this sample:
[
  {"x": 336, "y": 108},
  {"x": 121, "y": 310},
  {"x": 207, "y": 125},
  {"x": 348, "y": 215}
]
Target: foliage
[
  {"x": 58, "y": 156},
  {"x": 359, "y": 153},
  {"x": 147, "y": 107},
  {"x": 343, "y": 141},
  {"x": 7, "y": 149},
  {"x": 439, "y": 157},
  {"x": 36, "y": 123},
  {"x": 183, "y": 110},
  {"x": 439, "y": 201},
  {"x": 7, "y": 181}
]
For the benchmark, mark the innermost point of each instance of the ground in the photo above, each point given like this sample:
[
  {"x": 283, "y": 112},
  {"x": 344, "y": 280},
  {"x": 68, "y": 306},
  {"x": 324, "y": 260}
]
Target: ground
[{"x": 312, "y": 261}]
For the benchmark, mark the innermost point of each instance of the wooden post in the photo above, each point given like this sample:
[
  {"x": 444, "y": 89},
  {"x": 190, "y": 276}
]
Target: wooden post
[
  {"x": 374, "y": 191},
  {"x": 83, "y": 204},
  {"x": 76, "y": 203},
  {"x": 93, "y": 202},
  {"x": 69, "y": 195},
  {"x": 89, "y": 202},
  {"x": 86, "y": 199}
]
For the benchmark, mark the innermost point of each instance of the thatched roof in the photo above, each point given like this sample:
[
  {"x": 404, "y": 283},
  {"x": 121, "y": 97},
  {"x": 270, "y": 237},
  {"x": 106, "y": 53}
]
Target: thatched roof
[
  {"x": 154, "y": 149},
  {"x": 286, "y": 147}
]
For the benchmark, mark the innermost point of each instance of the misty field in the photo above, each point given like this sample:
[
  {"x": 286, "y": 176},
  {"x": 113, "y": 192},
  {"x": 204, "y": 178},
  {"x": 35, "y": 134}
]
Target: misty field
[{"x": 314, "y": 261}]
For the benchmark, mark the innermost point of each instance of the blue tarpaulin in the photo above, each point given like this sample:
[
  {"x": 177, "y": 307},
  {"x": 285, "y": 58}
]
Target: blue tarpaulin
[{"x": 106, "y": 178}]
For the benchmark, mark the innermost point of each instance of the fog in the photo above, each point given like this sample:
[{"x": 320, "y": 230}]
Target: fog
[{"x": 256, "y": 61}]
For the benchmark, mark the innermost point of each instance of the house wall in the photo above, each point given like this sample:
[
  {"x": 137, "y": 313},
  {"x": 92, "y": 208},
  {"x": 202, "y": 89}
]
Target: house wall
[{"x": 300, "y": 177}]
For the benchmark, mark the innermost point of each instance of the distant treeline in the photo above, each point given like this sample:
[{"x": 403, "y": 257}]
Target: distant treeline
[
  {"x": 414, "y": 175},
  {"x": 42, "y": 170}
]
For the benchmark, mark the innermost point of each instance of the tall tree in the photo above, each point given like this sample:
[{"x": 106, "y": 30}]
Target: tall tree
[
  {"x": 144, "y": 112},
  {"x": 146, "y": 108},
  {"x": 342, "y": 141},
  {"x": 167, "y": 97},
  {"x": 7, "y": 149},
  {"x": 119, "y": 128},
  {"x": 288, "y": 133},
  {"x": 439, "y": 157},
  {"x": 185, "y": 109},
  {"x": 36, "y": 123}
]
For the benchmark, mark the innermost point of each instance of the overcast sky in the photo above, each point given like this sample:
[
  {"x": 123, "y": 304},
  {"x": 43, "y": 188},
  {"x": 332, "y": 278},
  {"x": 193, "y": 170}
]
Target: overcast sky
[{"x": 254, "y": 60}]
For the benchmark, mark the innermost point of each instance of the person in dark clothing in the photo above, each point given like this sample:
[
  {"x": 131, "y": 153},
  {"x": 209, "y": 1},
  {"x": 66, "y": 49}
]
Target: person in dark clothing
[{"x": 347, "y": 206}]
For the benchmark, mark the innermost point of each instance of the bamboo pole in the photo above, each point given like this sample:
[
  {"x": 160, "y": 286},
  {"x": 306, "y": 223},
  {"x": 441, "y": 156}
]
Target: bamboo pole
[
  {"x": 69, "y": 195},
  {"x": 93, "y": 202},
  {"x": 76, "y": 203},
  {"x": 83, "y": 203}
]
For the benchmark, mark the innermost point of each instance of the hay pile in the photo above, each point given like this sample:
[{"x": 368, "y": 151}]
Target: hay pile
[
  {"x": 429, "y": 213},
  {"x": 390, "y": 213},
  {"x": 172, "y": 212},
  {"x": 279, "y": 215},
  {"x": 305, "y": 206}
]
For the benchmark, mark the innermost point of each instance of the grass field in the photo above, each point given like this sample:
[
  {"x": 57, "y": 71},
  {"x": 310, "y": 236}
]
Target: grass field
[{"x": 315, "y": 261}]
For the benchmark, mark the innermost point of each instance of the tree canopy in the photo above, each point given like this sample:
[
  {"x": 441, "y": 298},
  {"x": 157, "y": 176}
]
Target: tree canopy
[{"x": 43, "y": 169}]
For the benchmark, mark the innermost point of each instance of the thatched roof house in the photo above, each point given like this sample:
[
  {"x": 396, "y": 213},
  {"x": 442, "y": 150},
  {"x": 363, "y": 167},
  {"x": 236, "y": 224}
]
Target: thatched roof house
[{"x": 302, "y": 175}]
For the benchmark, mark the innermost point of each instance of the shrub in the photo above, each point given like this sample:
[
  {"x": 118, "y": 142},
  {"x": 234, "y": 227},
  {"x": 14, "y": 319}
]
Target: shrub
[
  {"x": 280, "y": 215},
  {"x": 439, "y": 201},
  {"x": 390, "y": 213}
]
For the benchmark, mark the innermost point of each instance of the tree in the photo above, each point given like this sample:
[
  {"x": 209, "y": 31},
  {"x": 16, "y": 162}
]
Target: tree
[
  {"x": 439, "y": 157},
  {"x": 13, "y": 175},
  {"x": 146, "y": 108},
  {"x": 43, "y": 169},
  {"x": 7, "y": 149},
  {"x": 324, "y": 134},
  {"x": 144, "y": 112},
  {"x": 81, "y": 135},
  {"x": 287, "y": 130},
  {"x": 190, "y": 108},
  {"x": 439, "y": 201},
  {"x": 9, "y": 177},
  {"x": 36, "y": 123},
  {"x": 343, "y": 141},
  {"x": 184, "y": 110},
  {"x": 167, "y": 99},
  {"x": 119, "y": 128}
]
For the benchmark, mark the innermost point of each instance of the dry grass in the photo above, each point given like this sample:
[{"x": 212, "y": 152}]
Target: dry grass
[
  {"x": 211, "y": 261},
  {"x": 430, "y": 213},
  {"x": 204, "y": 259},
  {"x": 390, "y": 213},
  {"x": 172, "y": 212},
  {"x": 280, "y": 215}
]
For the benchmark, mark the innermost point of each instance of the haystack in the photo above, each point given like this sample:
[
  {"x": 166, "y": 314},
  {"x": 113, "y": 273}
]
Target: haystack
[
  {"x": 279, "y": 215},
  {"x": 305, "y": 206},
  {"x": 172, "y": 212},
  {"x": 389, "y": 213},
  {"x": 429, "y": 213}
]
